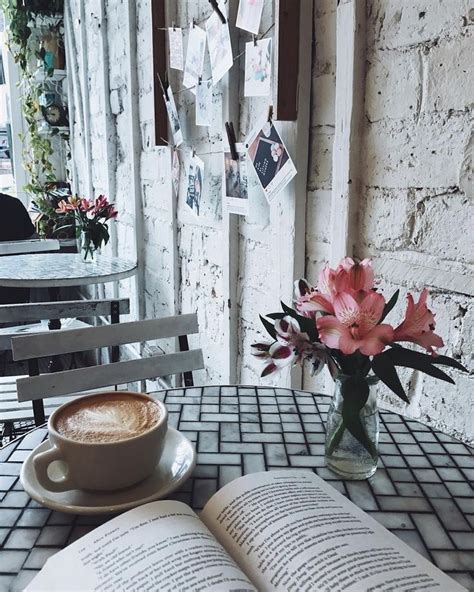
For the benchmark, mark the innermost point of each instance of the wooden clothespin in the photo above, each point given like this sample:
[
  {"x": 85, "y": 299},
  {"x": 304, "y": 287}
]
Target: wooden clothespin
[
  {"x": 229, "y": 128},
  {"x": 174, "y": 26},
  {"x": 270, "y": 114},
  {"x": 193, "y": 23},
  {"x": 200, "y": 80},
  {"x": 215, "y": 8},
  {"x": 193, "y": 152},
  {"x": 255, "y": 40}
]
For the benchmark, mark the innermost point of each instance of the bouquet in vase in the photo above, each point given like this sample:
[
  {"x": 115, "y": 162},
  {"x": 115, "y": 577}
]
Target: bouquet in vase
[
  {"x": 341, "y": 323},
  {"x": 90, "y": 221}
]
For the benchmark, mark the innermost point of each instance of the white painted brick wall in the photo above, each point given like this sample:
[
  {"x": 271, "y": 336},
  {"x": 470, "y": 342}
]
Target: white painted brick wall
[{"x": 415, "y": 197}]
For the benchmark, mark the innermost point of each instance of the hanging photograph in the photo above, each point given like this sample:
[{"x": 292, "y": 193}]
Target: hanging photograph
[
  {"x": 220, "y": 48},
  {"x": 195, "y": 184},
  {"x": 270, "y": 159},
  {"x": 175, "y": 37},
  {"x": 204, "y": 102},
  {"x": 249, "y": 15},
  {"x": 235, "y": 182},
  {"x": 258, "y": 68},
  {"x": 175, "y": 169},
  {"x": 173, "y": 117},
  {"x": 194, "y": 57}
]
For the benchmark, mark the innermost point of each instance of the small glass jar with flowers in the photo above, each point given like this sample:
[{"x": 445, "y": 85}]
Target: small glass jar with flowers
[
  {"x": 90, "y": 221},
  {"x": 340, "y": 323}
]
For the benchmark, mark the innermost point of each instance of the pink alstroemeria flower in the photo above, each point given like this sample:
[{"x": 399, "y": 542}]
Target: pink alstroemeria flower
[
  {"x": 354, "y": 277},
  {"x": 86, "y": 205},
  {"x": 419, "y": 324},
  {"x": 310, "y": 300},
  {"x": 354, "y": 326}
]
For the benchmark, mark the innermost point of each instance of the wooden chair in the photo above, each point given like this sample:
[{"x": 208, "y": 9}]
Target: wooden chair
[
  {"x": 37, "y": 387},
  {"x": 38, "y": 314},
  {"x": 29, "y": 246}
]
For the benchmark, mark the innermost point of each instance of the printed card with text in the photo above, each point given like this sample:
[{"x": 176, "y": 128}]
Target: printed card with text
[
  {"x": 175, "y": 37},
  {"x": 258, "y": 68},
  {"x": 249, "y": 15},
  {"x": 220, "y": 48},
  {"x": 270, "y": 159},
  {"x": 194, "y": 57}
]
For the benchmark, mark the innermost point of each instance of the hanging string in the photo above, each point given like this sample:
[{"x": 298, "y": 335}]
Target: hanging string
[
  {"x": 192, "y": 151},
  {"x": 259, "y": 38}
]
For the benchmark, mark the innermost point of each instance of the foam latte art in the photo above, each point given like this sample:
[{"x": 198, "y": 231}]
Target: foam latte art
[{"x": 107, "y": 418}]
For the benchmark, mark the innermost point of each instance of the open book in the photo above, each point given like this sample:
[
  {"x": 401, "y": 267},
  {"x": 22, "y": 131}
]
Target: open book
[{"x": 282, "y": 530}]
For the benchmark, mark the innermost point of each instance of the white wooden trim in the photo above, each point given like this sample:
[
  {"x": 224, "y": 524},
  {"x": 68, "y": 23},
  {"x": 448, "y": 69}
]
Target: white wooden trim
[
  {"x": 39, "y": 311},
  {"x": 350, "y": 57},
  {"x": 84, "y": 72},
  {"x": 81, "y": 379},
  {"x": 135, "y": 149},
  {"x": 301, "y": 156},
  {"x": 29, "y": 246},
  {"x": 75, "y": 340},
  {"x": 230, "y": 234}
]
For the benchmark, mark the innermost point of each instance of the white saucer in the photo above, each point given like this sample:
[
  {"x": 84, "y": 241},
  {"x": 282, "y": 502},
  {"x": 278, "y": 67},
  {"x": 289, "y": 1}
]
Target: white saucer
[{"x": 176, "y": 464}]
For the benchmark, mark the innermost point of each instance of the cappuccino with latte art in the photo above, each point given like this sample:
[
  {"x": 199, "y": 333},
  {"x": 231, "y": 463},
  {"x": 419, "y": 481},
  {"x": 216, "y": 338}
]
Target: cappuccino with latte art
[
  {"x": 107, "y": 441},
  {"x": 110, "y": 417}
]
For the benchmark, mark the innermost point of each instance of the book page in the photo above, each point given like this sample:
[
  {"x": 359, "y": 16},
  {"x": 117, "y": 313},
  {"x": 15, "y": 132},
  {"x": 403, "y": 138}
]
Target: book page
[
  {"x": 289, "y": 530},
  {"x": 159, "y": 546}
]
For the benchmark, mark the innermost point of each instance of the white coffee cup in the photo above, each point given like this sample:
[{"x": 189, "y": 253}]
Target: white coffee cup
[{"x": 101, "y": 465}]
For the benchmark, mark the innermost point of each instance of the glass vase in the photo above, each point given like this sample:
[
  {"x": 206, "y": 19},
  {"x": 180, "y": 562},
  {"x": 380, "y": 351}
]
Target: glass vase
[
  {"x": 345, "y": 454},
  {"x": 87, "y": 247}
]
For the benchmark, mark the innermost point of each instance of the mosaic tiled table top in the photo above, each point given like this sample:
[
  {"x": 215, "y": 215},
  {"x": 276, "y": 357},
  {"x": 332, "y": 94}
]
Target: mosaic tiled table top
[
  {"x": 46, "y": 270},
  {"x": 421, "y": 490}
]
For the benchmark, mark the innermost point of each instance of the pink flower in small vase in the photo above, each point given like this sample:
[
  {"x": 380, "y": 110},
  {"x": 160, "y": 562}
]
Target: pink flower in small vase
[
  {"x": 355, "y": 325},
  {"x": 63, "y": 207},
  {"x": 309, "y": 300},
  {"x": 100, "y": 204},
  {"x": 86, "y": 205},
  {"x": 419, "y": 324},
  {"x": 354, "y": 277}
]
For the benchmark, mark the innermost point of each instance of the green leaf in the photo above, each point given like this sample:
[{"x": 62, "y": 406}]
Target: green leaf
[
  {"x": 268, "y": 326},
  {"x": 355, "y": 392},
  {"x": 417, "y": 361},
  {"x": 389, "y": 305},
  {"x": 383, "y": 367},
  {"x": 447, "y": 361},
  {"x": 276, "y": 315}
]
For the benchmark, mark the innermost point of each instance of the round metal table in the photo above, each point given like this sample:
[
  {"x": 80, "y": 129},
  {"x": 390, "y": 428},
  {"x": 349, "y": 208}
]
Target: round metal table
[
  {"x": 56, "y": 270},
  {"x": 421, "y": 490}
]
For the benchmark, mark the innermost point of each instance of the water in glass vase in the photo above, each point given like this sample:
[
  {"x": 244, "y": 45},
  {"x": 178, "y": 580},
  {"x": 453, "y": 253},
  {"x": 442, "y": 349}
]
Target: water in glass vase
[{"x": 345, "y": 454}]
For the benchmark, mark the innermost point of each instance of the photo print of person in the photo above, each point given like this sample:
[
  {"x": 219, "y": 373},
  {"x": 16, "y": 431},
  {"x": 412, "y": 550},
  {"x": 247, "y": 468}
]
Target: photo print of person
[
  {"x": 195, "y": 184},
  {"x": 235, "y": 182},
  {"x": 173, "y": 118},
  {"x": 270, "y": 159}
]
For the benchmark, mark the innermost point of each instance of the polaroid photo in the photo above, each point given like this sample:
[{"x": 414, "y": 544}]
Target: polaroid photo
[
  {"x": 175, "y": 171},
  {"x": 194, "y": 57},
  {"x": 195, "y": 184},
  {"x": 175, "y": 39},
  {"x": 173, "y": 118},
  {"x": 220, "y": 48},
  {"x": 270, "y": 159},
  {"x": 235, "y": 182},
  {"x": 258, "y": 68},
  {"x": 204, "y": 102},
  {"x": 249, "y": 15}
]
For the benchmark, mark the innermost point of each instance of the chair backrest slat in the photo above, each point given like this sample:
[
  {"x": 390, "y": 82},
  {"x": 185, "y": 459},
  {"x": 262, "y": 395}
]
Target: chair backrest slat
[
  {"x": 76, "y": 340},
  {"x": 29, "y": 246},
  {"x": 84, "y": 379},
  {"x": 70, "y": 309}
]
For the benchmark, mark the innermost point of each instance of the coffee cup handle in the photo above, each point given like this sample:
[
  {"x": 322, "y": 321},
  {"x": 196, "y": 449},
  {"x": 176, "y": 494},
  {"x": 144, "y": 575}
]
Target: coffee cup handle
[{"x": 41, "y": 463}]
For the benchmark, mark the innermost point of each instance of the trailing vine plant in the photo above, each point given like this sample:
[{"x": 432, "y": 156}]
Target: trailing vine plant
[{"x": 24, "y": 17}]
